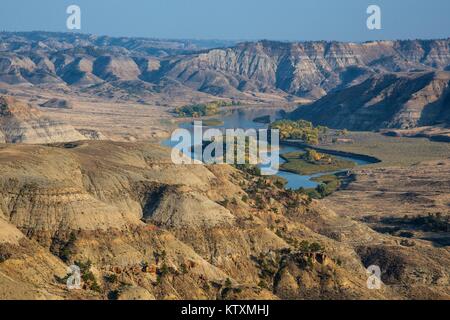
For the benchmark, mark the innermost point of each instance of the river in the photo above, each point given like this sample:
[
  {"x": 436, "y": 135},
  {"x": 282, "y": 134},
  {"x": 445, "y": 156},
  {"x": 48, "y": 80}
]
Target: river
[{"x": 243, "y": 119}]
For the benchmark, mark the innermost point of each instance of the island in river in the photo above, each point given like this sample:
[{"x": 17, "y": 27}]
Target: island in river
[{"x": 312, "y": 162}]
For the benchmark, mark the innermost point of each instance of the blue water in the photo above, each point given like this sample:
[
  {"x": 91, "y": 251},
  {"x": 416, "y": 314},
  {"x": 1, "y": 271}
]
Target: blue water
[{"x": 243, "y": 119}]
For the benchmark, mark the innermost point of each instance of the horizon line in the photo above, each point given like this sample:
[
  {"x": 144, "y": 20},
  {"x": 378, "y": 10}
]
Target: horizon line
[{"x": 235, "y": 41}]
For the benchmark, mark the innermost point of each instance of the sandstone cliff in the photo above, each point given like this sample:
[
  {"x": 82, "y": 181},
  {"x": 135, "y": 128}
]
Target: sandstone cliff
[
  {"x": 304, "y": 69},
  {"x": 309, "y": 69}
]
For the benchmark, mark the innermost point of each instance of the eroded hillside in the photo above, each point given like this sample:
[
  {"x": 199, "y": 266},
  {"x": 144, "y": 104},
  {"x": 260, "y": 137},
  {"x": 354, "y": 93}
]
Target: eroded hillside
[
  {"x": 263, "y": 70},
  {"x": 393, "y": 100},
  {"x": 22, "y": 123},
  {"x": 141, "y": 227}
]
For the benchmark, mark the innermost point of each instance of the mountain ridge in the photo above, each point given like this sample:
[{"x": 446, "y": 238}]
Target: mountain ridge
[
  {"x": 303, "y": 69},
  {"x": 125, "y": 69}
]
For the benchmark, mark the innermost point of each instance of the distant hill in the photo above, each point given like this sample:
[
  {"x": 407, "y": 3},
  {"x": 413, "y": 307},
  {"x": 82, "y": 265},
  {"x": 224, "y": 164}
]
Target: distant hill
[
  {"x": 285, "y": 69},
  {"x": 387, "y": 100},
  {"x": 309, "y": 69}
]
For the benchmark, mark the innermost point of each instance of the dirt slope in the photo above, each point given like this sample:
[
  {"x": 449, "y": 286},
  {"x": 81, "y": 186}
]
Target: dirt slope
[{"x": 155, "y": 230}]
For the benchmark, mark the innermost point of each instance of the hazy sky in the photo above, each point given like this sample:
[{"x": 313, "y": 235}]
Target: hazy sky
[{"x": 235, "y": 19}]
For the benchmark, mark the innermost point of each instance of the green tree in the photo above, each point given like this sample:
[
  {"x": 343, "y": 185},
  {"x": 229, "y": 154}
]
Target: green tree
[{"x": 322, "y": 190}]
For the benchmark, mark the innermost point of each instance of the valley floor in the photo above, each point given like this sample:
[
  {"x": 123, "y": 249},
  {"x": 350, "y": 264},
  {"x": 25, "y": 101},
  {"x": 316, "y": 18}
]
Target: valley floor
[
  {"x": 393, "y": 151},
  {"x": 378, "y": 194},
  {"x": 143, "y": 228}
]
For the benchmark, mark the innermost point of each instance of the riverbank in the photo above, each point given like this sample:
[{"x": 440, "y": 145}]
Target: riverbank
[
  {"x": 293, "y": 179},
  {"x": 339, "y": 153}
]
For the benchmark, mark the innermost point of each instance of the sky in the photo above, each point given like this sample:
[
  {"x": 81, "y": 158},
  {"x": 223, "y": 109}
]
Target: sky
[{"x": 292, "y": 20}]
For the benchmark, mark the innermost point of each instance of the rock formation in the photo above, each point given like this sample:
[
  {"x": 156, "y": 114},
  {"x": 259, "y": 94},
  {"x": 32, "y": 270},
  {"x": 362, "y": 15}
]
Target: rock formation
[
  {"x": 22, "y": 123},
  {"x": 303, "y": 69}
]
